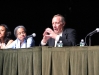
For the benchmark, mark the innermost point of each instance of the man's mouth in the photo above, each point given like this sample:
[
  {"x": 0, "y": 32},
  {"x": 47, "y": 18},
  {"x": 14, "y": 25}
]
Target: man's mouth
[{"x": 55, "y": 29}]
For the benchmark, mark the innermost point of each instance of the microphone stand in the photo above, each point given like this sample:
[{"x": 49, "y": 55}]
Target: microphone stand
[
  {"x": 15, "y": 46},
  {"x": 90, "y": 34},
  {"x": 26, "y": 42},
  {"x": 90, "y": 40}
]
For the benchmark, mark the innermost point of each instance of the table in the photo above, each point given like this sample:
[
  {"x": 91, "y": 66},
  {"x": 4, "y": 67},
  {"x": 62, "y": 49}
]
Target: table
[{"x": 50, "y": 61}]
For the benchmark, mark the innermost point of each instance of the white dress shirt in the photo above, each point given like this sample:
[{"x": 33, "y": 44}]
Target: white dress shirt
[{"x": 25, "y": 44}]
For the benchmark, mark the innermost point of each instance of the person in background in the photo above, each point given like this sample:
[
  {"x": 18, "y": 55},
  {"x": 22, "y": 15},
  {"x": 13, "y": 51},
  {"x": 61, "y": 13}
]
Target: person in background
[
  {"x": 22, "y": 41},
  {"x": 52, "y": 37},
  {"x": 5, "y": 35}
]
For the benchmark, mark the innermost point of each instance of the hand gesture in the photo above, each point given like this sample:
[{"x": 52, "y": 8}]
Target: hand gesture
[{"x": 50, "y": 33}]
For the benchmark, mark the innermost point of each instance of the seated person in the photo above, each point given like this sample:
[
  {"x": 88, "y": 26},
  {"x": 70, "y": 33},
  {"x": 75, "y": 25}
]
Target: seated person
[
  {"x": 22, "y": 41},
  {"x": 52, "y": 37},
  {"x": 4, "y": 36}
]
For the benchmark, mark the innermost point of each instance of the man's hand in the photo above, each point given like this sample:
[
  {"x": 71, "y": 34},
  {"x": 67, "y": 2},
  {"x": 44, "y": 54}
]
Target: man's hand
[
  {"x": 50, "y": 33},
  {"x": 45, "y": 37}
]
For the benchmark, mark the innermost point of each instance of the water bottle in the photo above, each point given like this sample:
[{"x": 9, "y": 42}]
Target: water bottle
[
  {"x": 82, "y": 43},
  {"x": 60, "y": 44}
]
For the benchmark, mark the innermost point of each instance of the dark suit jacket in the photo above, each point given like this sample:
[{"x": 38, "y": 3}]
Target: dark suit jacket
[{"x": 68, "y": 38}]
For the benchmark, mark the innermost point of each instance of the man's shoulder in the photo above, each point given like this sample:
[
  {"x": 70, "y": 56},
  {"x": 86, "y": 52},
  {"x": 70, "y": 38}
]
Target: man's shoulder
[{"x": 69, "y": 29}]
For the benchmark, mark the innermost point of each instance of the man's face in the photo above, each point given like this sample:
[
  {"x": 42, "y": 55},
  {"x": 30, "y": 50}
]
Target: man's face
[{"x": 57, "y": 24}]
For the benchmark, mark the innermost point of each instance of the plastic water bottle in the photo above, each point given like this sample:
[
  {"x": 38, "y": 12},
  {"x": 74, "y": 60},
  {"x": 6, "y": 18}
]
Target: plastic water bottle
[
  {"x": 60, "y": 44},
  {"x": 82, "y": 43}
]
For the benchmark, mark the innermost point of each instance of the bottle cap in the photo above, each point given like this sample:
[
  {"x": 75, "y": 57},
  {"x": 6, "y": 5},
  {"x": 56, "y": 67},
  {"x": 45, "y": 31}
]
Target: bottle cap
[
  {"x": 82, "y": 39},
  {"x": 60, "y": 41}
]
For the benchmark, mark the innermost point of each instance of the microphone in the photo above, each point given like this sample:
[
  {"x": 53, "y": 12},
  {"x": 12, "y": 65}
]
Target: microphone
[
  {"x": 90, "y": 34},
  {"x": 33, "y": 35},
  {"x": 93, "y": 32}
]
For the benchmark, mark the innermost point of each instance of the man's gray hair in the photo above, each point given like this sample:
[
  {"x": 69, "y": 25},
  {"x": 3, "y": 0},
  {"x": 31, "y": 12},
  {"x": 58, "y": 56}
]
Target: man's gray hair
[
  {"x": 62, "y": 17},
  {"x": 16, "y": 28}
]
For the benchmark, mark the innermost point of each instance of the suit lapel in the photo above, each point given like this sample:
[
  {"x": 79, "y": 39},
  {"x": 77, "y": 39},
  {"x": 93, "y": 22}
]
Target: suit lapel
[{"x": 64, "y": 34}]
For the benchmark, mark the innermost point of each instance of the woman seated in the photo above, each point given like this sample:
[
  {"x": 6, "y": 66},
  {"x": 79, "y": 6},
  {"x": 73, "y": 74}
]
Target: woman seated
[
  {"x": 22, "y": 40},
  {"x": 4, "y": 36}
]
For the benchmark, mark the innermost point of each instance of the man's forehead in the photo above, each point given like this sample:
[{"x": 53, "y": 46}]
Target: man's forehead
[{"x": 56, "y": 18}]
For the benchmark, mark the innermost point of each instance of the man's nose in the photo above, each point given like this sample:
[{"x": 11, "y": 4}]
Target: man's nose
[{"x": 54, "y": 25}]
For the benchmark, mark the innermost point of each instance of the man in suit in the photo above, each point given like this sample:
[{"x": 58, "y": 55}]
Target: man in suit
[{"x": 52, "y": 37}]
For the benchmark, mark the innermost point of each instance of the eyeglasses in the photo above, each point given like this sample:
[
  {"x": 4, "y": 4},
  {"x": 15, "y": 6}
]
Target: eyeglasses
[{"x": 21, "y": 33}]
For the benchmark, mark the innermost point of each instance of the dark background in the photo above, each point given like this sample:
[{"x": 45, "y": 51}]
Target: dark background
[{"x": 82, "y": 15}]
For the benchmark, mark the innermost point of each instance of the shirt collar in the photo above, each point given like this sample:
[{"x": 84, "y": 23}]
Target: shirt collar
[
  {"x": 60, "y": 34},
  {"x": 19, "y": 40}
]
